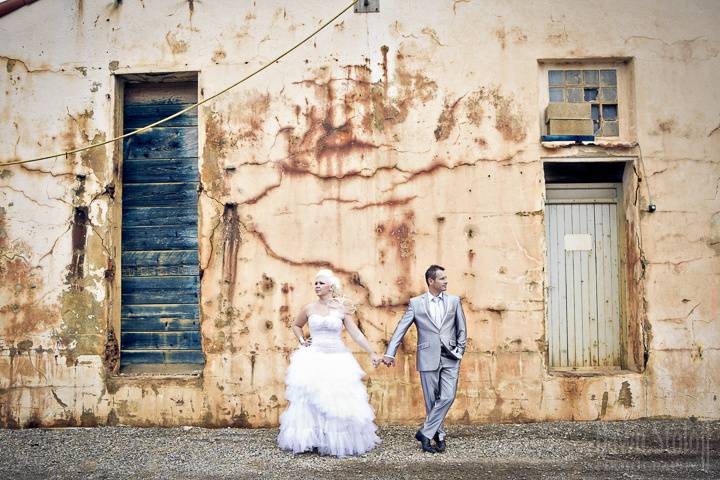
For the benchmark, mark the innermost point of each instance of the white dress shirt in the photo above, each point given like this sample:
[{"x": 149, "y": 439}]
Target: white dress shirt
[{"x": 437, "y": 308}]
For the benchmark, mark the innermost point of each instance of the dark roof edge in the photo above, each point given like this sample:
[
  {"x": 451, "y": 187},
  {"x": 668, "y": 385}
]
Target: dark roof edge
[{"x": 10, "y": 6}]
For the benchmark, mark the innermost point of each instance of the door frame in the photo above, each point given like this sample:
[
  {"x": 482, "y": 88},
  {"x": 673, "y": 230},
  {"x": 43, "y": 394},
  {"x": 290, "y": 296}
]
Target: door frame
[
  {"x": 114, "y": 297},
  {"x": 600, "y": 196}
]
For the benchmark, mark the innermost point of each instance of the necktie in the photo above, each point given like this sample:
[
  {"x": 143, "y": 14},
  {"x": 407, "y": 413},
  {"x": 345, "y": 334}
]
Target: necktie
[{"x": 438, "y": 310}]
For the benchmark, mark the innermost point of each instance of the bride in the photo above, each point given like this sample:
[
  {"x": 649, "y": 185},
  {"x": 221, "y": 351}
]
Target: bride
[{"x": 329, "y": 410}]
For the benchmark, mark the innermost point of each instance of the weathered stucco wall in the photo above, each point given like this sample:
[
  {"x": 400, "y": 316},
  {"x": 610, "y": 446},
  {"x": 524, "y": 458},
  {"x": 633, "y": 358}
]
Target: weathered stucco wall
[{"x": 389, "y": 142}]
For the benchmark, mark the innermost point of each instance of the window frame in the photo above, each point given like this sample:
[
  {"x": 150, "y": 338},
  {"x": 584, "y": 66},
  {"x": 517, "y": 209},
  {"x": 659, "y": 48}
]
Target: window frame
[{"x": 625, "y": 91}]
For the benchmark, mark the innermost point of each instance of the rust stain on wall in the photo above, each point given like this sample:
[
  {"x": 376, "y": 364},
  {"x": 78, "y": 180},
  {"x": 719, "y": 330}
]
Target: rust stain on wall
[
  {"x": 635, "y": 272},
  {"x": 214, "y": 152},
  {"x": 176, "y": 45},
  {"x": 399, "y": 235},
  {"x": 393, "y": 202},
  {"x": 219, "y": 55},
  {"x": 507, "y": 121},
  {"x": 251, "y": 115},
  {"x": 474, "y": 108},
  {"x": 413, "y": 87},
  {"x": 446, "y": 122},
  {"x": 359, "y": 133},
  {"x": 25, "y": 314},
  {"x": 329, "y": 133},
  {"x": 232, "y": 242},
  {"x": 514, "y": 34}
]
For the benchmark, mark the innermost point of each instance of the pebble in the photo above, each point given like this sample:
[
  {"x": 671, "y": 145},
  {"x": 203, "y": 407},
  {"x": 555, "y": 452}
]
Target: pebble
[{"x": 632, "y": 449}]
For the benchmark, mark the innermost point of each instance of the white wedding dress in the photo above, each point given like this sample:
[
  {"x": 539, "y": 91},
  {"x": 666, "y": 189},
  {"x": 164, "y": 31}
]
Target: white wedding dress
[{"x": 329, "y": 407}]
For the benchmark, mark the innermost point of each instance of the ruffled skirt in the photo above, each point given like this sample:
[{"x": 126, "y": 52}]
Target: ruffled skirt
[{"x": 329, "y": 407}]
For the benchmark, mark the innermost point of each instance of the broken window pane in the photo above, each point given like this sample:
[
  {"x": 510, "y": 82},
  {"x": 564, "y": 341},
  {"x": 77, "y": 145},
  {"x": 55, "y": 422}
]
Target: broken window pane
[
  {"x": 608, "y": 94},
  {"x": 556, "y": 77},
  {"x": 572, "y": 77},
  {"x": 556, "y": 95},
  {"x": 597, "y": 87},
  {"x": 591, "y": 94},
  {"x": 591, "y": 77},
  {"x": 575, "y": 95},
  {"x": 608, "y": 77},
  {"x": 595, "y": 114},
  {"x": 609, "y": 112}
]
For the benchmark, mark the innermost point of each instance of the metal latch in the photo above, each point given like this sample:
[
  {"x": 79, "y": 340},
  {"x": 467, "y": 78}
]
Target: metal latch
[{"x": 367, "y": 6}]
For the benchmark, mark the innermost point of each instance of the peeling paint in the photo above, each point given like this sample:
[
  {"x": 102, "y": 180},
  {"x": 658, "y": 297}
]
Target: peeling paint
[
  {"x": 214, "y": 152},
  {"x": 79, "y": 235},
  {"x": 25, "y": 313},
  {"x": 81, "y": 331},
  {"x": 230, "y": 250},
  {"x": 218, "y": 55},
  {"x": 176, "y": 44},
  {"x": 446, "y": 122},
  {"x": 374, "y": 155},
  {"x": 625, "y": 397}
]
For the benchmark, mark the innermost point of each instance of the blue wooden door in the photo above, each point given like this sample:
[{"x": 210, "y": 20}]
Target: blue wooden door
[{"x": 160, "y": 271}]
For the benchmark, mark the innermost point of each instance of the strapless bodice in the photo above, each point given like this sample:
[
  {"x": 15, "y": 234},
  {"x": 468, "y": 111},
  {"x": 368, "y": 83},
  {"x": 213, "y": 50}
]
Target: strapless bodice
[{"x": 325, "y": 331}]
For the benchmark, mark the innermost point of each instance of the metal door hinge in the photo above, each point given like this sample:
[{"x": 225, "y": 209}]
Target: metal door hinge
[{"x": 367, "y": 6}]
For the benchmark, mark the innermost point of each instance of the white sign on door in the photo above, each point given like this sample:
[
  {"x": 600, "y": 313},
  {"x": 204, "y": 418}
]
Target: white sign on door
[{"x": 578, "y": 241}]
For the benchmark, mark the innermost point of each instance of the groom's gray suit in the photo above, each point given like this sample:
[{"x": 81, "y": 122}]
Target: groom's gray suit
[{"x": 441, "y": 344}]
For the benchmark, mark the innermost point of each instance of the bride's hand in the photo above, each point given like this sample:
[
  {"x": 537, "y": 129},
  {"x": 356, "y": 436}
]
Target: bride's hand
[
  {"x": 375, "y": 359},
  {"x": 306, "y": 343}
]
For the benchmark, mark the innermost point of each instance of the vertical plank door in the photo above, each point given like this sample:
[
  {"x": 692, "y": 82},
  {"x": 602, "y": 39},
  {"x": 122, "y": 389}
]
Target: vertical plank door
[
  {"x": 160, "y": 270},
  {"x": 583, "y": 275}
]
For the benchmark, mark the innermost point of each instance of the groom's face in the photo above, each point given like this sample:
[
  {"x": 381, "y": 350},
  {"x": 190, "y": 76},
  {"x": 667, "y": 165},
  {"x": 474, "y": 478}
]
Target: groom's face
[{"x": 440, "y": 282}]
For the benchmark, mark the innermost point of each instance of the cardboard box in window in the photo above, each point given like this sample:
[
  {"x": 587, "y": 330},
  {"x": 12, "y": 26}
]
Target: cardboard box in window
[{"x": 568, "y": 119}]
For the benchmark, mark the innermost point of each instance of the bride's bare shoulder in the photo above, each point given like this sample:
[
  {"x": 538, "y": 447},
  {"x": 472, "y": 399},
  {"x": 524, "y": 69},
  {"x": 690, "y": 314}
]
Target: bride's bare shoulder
[{"x": 309, "y": 308}]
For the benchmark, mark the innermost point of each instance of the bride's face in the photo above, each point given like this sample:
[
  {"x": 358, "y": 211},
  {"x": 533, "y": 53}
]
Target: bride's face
[{"x": 322, "y": 287}]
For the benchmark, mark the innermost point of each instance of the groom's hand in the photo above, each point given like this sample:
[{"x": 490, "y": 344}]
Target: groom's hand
[{"x": 388, "y": 361}]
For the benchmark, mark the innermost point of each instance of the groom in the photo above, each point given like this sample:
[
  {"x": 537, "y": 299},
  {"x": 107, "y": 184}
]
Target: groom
[{"x": 440, "y": 323}]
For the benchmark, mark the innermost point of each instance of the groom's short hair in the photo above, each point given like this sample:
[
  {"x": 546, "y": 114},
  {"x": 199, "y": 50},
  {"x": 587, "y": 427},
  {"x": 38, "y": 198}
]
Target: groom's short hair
[{"x": 431, "y": 272}]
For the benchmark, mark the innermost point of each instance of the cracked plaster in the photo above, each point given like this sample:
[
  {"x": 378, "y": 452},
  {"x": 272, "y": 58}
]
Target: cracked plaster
[{"x": 375, "y": 150}]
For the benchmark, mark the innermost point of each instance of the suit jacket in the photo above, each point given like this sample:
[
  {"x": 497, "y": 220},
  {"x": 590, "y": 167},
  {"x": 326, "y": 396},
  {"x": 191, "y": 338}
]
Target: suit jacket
[{"x": 452, "y": 333}]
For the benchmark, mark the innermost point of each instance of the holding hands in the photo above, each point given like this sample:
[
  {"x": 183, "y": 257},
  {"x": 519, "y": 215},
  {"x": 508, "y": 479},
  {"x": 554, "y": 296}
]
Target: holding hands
[
  {"x": 388, "y": 361},
  {"x": 385, "y": 360}
]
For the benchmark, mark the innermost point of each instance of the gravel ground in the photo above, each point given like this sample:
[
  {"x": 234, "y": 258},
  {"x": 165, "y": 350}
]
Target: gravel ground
[{"x": 635, "y": 449}]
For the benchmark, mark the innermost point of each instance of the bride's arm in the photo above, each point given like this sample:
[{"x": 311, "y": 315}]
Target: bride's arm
[
  {"x": 359, "y": 338},
  {"x": 297, "y": 327}
]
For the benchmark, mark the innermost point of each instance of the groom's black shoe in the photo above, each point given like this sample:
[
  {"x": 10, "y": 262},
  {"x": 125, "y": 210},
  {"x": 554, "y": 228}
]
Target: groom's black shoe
[
  {"x": 439, "y": 444},
  {"x": 424, "y": 442}
]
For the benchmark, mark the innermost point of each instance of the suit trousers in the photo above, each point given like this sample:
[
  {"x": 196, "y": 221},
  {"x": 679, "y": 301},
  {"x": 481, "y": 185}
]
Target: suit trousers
[{"x": 439, "y": 388}]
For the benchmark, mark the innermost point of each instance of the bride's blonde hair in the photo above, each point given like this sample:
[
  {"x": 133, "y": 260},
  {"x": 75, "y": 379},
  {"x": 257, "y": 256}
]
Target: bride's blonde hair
[{"x": 338, "y": 298}]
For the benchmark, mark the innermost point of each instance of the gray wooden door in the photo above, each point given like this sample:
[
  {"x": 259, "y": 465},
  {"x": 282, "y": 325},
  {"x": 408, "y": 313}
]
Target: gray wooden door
[
  {"x": 160, "y": 271},
  {"x": 582, "y": 275}
]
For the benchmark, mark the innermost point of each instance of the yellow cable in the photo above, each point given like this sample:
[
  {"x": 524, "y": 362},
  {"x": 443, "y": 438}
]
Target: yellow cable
[{"x": 187, "y": 109}]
